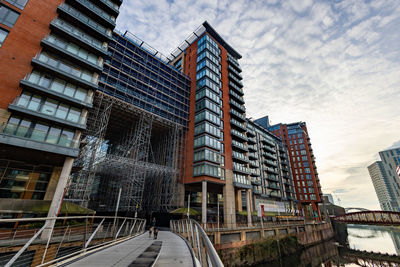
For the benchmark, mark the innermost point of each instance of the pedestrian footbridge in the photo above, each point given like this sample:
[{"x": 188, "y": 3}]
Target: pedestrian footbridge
[
  {"x": 102, "y": 241},
  {"x": 167, "y": 250}
]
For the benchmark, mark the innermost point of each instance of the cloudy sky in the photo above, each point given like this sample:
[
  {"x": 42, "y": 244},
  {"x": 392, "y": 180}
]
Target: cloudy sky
[{"x": 334, "y": 64}]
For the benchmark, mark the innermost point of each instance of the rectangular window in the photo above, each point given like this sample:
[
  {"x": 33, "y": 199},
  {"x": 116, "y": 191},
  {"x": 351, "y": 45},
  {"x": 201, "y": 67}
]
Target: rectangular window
[
  {"x": 8, "y": 16},
  {"x": 3, "y": 35},
  {"x": 18, "y": 3}
]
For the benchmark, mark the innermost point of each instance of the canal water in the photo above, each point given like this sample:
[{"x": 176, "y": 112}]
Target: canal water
[{"x": 349, "y": 238}]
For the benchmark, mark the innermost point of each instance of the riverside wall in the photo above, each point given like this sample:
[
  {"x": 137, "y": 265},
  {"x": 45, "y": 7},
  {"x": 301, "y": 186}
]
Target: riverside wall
[{"x": 268, "y": 242}]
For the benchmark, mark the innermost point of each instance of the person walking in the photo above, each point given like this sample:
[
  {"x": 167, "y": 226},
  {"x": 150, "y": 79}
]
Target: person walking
[{"x": 152, "y": 226}]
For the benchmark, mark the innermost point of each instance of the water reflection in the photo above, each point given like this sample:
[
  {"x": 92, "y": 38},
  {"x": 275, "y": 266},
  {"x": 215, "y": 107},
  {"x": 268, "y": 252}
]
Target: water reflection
[
  {"x": 380, "y": 239},
  {"x": 347, "y": 249}
]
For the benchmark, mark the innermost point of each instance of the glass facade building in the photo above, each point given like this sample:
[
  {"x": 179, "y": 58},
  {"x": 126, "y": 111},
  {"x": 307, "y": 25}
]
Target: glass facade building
[{"x": 133, "y": 74}]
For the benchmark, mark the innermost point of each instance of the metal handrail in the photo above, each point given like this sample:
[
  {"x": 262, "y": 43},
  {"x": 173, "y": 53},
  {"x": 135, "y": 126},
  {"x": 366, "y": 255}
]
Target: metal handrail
[
  {"x": 201, "y": 245},
  {"x": 92, "y": 229}
]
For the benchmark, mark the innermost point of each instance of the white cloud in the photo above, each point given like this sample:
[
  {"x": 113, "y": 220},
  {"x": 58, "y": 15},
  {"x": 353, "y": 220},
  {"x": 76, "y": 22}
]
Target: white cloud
[{"x": 335, "y": 66}]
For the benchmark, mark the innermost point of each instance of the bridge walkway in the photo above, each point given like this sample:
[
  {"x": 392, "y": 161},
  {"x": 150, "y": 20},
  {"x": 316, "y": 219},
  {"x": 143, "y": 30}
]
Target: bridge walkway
[{"x": 141, "y": 251}]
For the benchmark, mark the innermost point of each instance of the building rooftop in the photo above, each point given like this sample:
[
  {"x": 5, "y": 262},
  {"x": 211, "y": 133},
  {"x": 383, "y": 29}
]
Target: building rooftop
[{"x": 205, "y": 27}]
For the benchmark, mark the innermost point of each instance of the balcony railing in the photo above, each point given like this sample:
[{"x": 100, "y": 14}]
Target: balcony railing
[
  {"x": 238, "y": 115},
  {"x": 236, "y": 80},
  {"x": 110, "y": 20},
  {"x": 236, "y": 96},
  {"x": 237, "y": 105},
  {"x": 238, "y": 134},
  {"x": 89, "y": 60},
  {"x": 53, "y": 89},
  {"x": 238, "y": 124},
  {"x": 239, "y": 145},
  {"x": 236, "y": 88},
  {"x": 61, "y": 67},
  {"x": 78, "y": 34},
  {"x": 41, "y": 111},
  {"x": 107, "y": 33},
  {"x": 27, "y": 137},
  {"x": 239, "y": 156}
]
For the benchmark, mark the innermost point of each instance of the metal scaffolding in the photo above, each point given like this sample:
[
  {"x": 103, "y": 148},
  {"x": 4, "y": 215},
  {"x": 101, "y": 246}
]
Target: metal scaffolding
[{"x": 129, "y": 148}]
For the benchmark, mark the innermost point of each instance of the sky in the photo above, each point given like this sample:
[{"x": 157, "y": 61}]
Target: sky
[{"x": 333, "y": 64}]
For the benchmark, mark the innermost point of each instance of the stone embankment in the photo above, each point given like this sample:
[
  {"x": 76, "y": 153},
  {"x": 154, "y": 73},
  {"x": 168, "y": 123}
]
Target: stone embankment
[{"x": 252, "y": 245}]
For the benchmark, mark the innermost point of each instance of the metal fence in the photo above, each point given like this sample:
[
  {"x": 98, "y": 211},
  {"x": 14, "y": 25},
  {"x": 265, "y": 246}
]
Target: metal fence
[
  {"x": 34, "y": 242},
  {"x": 203, "y": 249}
]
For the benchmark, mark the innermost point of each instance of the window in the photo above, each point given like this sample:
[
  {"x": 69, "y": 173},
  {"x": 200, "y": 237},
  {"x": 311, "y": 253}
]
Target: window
[
  {"x": 3, "y": 35},
  {"x": 8, "y": 16},
  {"x": 18, "y": 3}
]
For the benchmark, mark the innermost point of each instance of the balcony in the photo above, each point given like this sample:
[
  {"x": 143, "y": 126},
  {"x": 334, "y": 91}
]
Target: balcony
[
  {"x": 235, "y": 72},
  {"x": 272, "y": 178},
  {"x": 268, "y": 142},
  {"x": 256, "y": 191},
  {"x": 237, "y": 97},
  {"x": 271, "y": 150},
  {"x": 253, "y": 163},
  {"x": 252, "y": 148},
  {"x": 236, "y": 105},
  {"x": 253, "y": 156},
  {"x": 236, "y": 88},
  {"x": 238, "y": 124},
  {"x": 269, "y": 156},
  {"x": 50, "y": 90},
  {"x": 240, "y": 157},
  {"x": 275, "y": 194},
  {"x": 273, "y": 186},
  {"x": 239, "y": 146},
  {"x": 270, "y": 163},
  {"x": 271, "y": 170},
  {"x": 238, "y": 115},
  {"x": 96, "y": 13},
  {"x": 58, "y": 47},
  {"x": 241, "y": 169},
  {"x": 21, "y": 105},
  {"x": 65, "y": 70},
  {"x": 74, "y": 15},
  {"x": 255, "y": 181},
  {"x": 235, "y": 80},
  {"x": 26, "y": 137},
  {"x": 250, "y": 132},
  {"x": 234, "y": 63},
  {"x": 81, "y": 38},
  {"x": 238, "y": 135},
  {"x": 252, "y": 140},
  {"x": 109, "y": 6}
]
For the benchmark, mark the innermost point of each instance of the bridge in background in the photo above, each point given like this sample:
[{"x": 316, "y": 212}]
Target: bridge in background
[
  {"x": 370, "y": 217},
  {"x": 353, "y": 209}
]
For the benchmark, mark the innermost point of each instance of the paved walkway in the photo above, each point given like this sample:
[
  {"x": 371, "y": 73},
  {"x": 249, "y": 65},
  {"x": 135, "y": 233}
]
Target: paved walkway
[{"x": 174, "y": 252}]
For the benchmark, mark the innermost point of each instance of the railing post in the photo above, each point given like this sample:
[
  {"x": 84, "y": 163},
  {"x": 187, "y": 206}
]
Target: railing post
[
  {"x": 119, "y": 230},
  {"x": 94, "y": 233},
  {"x": 13, "y": 259},
  {"x": 133, "y": 227},
  {"x": 198, "y": 244}
]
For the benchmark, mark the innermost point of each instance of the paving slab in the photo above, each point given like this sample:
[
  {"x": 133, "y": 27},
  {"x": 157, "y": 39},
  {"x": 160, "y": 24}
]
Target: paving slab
[{"x": 174, "y": 252}]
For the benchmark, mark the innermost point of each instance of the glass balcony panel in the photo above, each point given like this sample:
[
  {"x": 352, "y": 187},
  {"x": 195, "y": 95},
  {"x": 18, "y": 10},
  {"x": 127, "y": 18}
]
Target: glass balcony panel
[
  {"x": 34, "y": 103},
  {"x": 39, "y": 132},
  {"x": 81, "y": 94},
  {"x": 62, "y": 111},
  {"x": 58, "y": 85},
  {"x": 50, "y": 107},
  {"x": 70, "y": 90},
  {"x": 12, "y": 125},
  {"x": 53, "y": 135},
  {"x": 23, "y": 128},
  {"x": 74, "y": 115}
]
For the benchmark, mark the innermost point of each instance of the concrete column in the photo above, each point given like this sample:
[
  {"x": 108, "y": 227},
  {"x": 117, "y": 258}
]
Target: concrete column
[
  {"x": 229, "y": 201},
  {"x": 239, "y": 199},
  {"x": 58, "y": 196},
  {"x": 248, "y": 207},
  {"x": 204, "y": 202}
]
